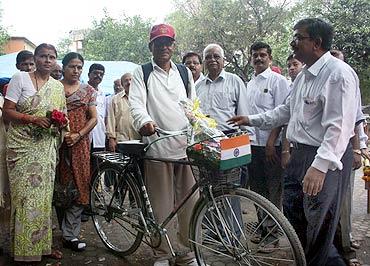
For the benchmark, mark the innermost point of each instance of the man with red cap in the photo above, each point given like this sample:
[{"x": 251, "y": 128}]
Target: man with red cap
[{"x": 156, "y": 90}]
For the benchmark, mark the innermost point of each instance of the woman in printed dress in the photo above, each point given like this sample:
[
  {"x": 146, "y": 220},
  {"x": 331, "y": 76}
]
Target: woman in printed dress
[
  {"x": 31, "y": 156},
  {"x": 75, "y": 151}
]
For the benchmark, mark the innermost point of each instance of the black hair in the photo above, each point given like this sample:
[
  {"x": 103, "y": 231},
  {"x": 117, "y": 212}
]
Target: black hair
[
  {"x": 96, "y": 67},
  {"x": 190, "y": 54},
  {"x": 23, "y": 56},
  {"x": 45, "y": 46},
  {"x": 260, "y": 45},
  {"x": 317, "y": 28},
  {"x": 290, "y": 57},
  {"x": 70, "y": 56}
]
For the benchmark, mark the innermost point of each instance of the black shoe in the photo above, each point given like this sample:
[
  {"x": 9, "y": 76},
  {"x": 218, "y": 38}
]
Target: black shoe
[
  {"x": 75, "y": 245},
  {"x": 84, "y": 218}
]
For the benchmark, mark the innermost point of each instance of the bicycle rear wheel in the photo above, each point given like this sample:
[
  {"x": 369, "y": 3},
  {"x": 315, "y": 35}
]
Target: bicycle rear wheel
[
  {"x": 243, "y": 228},
  {"x": 116, "y": 206}
]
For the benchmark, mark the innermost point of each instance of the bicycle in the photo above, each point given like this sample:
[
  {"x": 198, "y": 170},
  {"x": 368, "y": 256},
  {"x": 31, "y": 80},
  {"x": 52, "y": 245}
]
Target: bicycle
[{"x": 219, "y": 231}]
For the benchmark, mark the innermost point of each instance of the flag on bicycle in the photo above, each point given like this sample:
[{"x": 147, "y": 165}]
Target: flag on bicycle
[{"x": 235, "y": 152}]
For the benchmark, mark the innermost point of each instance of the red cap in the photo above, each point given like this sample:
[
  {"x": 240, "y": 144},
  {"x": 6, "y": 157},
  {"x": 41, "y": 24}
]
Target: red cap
[{"x": 162, "y": 30}]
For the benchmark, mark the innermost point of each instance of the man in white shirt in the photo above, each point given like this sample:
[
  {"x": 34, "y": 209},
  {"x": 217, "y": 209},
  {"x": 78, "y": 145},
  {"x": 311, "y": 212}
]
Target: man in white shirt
[
  {"x": 155, "y": 103},
  {"x": 193, "y": 61},
  {"x": 321, "y": 123},
  {"x": 265, "y": 91}
]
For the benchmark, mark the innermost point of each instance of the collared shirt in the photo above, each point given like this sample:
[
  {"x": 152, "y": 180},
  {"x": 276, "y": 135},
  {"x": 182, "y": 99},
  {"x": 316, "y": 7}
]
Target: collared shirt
[
  {"x": 201, "y": 77},
  {"x": 119, "y": 120},
  {"x": 320, "y": 110},
  {"x": 159, "y": 103},
  {"x": 265, "y": 91},
  {"x": 97, "y": 135},
  {"x": 221, "y": 98}
]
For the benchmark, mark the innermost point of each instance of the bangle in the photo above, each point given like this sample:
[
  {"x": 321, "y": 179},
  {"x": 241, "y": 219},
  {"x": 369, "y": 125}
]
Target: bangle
[
  {"x": 357, "y": 152},
  {"x": 285, "y": 152},
  {"x": 79, "y": 134}
]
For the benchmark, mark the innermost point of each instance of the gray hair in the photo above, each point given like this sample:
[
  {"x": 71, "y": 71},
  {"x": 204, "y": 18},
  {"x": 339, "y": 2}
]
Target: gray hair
[{"x": 212, "y": 46}]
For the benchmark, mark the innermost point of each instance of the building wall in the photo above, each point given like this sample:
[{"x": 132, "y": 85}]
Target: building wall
[{"x": 16, "y": 45}]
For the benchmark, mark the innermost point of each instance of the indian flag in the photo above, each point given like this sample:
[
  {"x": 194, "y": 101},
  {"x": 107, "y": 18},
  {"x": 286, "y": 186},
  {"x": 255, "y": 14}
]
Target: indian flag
[{"x": 235, "y": 151}]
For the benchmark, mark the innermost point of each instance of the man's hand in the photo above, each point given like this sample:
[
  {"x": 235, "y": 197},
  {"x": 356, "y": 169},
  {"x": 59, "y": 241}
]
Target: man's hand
[
  {"x": 239, "y": 121},
  {"x": 313, "y": 181},
  {"x": 148, "y": 129},
  {"x": 356, "y": 161},
  {"x": 112, "y": 144},
  {"x": 365, "y": 153},
  {"x": 271, "y": 155}
]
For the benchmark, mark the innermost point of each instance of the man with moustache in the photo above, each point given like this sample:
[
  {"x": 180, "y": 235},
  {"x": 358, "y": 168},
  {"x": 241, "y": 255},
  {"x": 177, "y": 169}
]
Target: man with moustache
[
  {"x": 56, "y": 72},
  {"x": 155, "y": 103},
  {"x": 321, "y": 123},
  {"x": 194, "y": 62},
  {"x": 265, "y": 91}
]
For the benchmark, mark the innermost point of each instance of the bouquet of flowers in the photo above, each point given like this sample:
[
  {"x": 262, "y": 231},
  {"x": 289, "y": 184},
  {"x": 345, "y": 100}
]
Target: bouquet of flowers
[
  {"x": 203, "y": 127},
  {"x": 366, "y": 170},
  {"x": 58, "y": 121}
]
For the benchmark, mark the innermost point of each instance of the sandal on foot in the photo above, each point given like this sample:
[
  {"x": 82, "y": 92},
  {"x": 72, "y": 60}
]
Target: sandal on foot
[
  {"x": 74, "y": 244},
  {"x": 355, "y": 244},
  {"x": 353, "y": 262},
  {"x": 55, "y": 254}
]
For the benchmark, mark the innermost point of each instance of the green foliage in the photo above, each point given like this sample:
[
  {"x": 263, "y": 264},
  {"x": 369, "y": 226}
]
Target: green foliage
[
  {"x": 235, "y": 25},
  {"x": 4, "y": 36},
  {"x": 114, "y": 40},
  {"x": 63, "y": 47}
]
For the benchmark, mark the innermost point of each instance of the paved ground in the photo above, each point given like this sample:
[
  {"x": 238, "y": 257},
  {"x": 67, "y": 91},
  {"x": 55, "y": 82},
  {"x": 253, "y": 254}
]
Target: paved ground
[{"x": 97, "y": 255}]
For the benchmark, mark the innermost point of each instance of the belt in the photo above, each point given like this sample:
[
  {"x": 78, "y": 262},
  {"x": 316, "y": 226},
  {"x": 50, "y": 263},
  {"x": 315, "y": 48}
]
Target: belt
[{"x": 301, "y": 146}]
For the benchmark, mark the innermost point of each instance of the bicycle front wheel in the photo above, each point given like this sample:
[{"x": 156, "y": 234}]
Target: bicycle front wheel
[
  {"x": 116, "y": 206},
  {"x": 240, "y": 227}
]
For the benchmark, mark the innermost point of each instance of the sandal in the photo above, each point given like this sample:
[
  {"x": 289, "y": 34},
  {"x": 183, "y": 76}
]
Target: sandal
[
  {"x": 55, "y": 254},
  {"x": 353, "y": 262},
  {"x": 74, "y": 245},
  {"x": 355, "y": 244}
]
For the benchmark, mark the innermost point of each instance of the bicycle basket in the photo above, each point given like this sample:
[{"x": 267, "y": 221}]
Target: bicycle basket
[{"x": 219, "y": 162}]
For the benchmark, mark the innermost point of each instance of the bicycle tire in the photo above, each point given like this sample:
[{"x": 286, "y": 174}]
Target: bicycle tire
[
  {"x": 230, "y": 241},
  {"x": 117, "y": 224}
]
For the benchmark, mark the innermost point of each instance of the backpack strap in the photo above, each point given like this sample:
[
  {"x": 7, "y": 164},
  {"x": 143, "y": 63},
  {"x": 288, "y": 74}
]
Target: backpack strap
[
  {"x": 148, "y": 69},
  {"x": 185, "y": 77}
]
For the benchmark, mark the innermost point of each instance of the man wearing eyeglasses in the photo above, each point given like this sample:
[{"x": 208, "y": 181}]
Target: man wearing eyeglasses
[
  {"x": 193, "y": 61},
  {"x": 321, "y": 120},
  {"x": 155, "y": 103}
]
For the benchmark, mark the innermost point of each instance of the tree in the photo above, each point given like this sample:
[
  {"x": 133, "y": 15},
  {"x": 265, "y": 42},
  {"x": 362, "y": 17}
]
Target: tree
[
  {"x": 116, "y": 40},
  {"x": 352, "y": 33},
  {"x": 233, "y": 24},
  {"x": 4, "y": 36}
]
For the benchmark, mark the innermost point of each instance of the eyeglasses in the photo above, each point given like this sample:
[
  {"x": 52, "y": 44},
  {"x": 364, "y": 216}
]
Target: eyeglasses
[
  {"x": 298, "y": 38},
  {"x": 162, "y": 42},
  {"x": 209, "y": 57}
]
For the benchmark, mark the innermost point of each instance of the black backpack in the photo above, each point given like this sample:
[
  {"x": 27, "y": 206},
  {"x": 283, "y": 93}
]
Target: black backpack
[{"x": 148, "y": 68}]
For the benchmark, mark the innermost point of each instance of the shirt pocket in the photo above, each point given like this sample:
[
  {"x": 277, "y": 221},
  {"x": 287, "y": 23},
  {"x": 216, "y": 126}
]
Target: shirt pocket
[
  {"x": 221, "y": 100},
  {"x": 264, "y": 99},
  {"x": 311, "y": 107}
]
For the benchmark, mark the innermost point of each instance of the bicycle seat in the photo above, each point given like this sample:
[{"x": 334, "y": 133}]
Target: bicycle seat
[{"x": 131, "y": 147}]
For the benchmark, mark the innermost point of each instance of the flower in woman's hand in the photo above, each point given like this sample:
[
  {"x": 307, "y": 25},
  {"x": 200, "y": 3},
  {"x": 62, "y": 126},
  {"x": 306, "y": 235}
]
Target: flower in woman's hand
[{"x": 58, "y": 118}]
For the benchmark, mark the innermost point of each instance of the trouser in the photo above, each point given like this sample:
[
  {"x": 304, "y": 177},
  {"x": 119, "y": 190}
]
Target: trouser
[
  {"x": 342, "y": 239},
  {"x": 315, "y": 218},
  {"x": 71, "y": 224},
  {"x": 265, "y": 178},
  {"x": 168, "y": 184}
]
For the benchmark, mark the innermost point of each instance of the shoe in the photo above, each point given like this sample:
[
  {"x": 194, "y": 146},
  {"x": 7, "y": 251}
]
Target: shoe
[
  {"x": 74, "y": 245},
  {"x": 162, "y": 263},
  {"x": 84, "y": 218},
  {"x": 355, "y": 244}
]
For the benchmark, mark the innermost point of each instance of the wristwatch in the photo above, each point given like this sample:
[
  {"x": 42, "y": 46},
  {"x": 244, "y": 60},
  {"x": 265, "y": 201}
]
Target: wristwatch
[{"x": 357, "y": 152}]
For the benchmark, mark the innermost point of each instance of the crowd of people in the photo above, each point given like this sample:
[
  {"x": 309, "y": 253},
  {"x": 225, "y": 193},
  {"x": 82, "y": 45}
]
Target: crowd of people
[{"x": 306, "y": 140}]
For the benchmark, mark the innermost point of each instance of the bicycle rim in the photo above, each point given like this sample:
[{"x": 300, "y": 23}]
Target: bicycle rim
[
  {"x": 116, "y": 221},
  {"x": 243, "y": 228}
]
